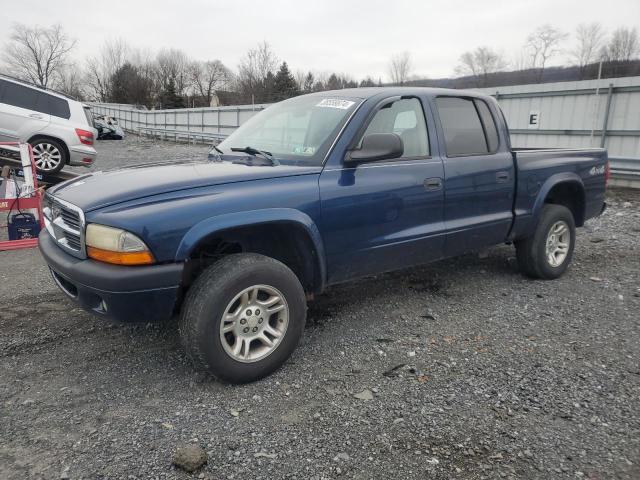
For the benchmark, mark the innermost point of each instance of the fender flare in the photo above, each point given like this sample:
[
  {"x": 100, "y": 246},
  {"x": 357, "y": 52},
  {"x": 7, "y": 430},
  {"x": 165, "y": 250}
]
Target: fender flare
[
  {"x": 220, "y": 223},
  {"x": 549, "y": 184}
]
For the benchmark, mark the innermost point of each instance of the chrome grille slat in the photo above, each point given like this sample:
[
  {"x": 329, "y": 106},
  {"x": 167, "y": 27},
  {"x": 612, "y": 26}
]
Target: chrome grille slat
[
  {"x": 73, "y": 242},
  {"x": 71, "y": 218},
  {"x": 65, "y": 223}
]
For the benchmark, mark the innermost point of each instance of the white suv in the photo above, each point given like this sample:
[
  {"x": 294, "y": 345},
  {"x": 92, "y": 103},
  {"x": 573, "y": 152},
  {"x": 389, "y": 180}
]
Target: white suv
[{"x": 60, "y": 129}]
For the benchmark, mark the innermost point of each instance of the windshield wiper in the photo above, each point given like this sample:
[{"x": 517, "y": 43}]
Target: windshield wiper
[
  {"x": 255, "y": 151},
  {"x": 217, "y": 155}
]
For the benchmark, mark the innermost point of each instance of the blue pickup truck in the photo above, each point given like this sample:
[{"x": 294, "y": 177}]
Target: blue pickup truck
[{"x": 313, "y": 191}]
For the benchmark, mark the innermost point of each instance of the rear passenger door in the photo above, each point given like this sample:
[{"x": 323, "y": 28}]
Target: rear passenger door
[
  {"x": 22, "y": 111},
  {"x": 479, "y": 175}
]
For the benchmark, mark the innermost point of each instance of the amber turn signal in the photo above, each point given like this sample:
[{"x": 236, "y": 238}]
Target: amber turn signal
[{"x": 120, "y": 258}]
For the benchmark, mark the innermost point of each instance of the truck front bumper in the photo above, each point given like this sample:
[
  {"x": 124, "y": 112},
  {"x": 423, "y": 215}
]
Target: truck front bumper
[{"x": 126, "y": 294}]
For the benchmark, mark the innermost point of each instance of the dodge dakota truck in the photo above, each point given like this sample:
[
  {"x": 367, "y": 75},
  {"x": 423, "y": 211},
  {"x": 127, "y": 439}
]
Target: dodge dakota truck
[{"x": 311, "y": 192}]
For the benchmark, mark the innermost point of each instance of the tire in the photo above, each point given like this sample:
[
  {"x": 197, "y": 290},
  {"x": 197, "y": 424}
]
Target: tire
[
  {"x": 49, "y": 154},
  {"x": 218, "y": 291},
  {"x": 532, "y": 254}
]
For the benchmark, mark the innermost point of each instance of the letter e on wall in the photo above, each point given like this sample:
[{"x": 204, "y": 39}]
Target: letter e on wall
[{"x": 534, "y": 120}]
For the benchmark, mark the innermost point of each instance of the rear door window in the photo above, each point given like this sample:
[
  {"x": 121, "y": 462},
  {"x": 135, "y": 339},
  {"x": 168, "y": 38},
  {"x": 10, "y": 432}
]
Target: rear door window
[
  {"x": 56, "y": 106},
  {"x": 464, "y": 131}
]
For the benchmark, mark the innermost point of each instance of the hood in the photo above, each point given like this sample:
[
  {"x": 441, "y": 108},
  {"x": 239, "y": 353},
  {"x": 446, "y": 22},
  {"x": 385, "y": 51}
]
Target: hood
[{"x": 101, "y": 189}]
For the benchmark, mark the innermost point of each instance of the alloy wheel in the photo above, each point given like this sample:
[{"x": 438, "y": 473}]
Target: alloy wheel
[
  {"x": 254, "y": 323},
  {"x": 557, "y": 245},
  {"x": 47, "y": 156}
]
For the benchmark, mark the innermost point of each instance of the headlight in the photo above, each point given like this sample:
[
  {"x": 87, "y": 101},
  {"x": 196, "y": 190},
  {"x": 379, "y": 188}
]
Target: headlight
[{"x": 113, "y": 245}]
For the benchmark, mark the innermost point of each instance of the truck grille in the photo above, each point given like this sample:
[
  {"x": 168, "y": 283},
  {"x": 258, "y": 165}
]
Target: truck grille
[{"x": 65, "y": 223}]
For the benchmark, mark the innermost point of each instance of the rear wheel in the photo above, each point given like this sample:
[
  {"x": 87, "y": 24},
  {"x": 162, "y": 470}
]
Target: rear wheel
[
  {"x": 548, "y": 252},
  {"x": 49, "y": 155},
  {"x": 243, "y": 317}
]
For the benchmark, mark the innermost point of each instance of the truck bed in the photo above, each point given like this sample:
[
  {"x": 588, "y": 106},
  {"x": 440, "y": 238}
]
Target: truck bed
[{"x": 538, "y": 169}]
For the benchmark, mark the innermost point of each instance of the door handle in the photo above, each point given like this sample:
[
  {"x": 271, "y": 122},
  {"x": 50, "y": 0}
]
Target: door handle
[
  {"x": 502, "y": 177},
  {"x": 432, "y": 184},
  {"x": 35, "y": 115}
]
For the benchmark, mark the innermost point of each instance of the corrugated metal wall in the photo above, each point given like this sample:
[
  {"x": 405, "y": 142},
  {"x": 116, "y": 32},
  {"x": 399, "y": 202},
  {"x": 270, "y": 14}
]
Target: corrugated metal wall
[{"x": 572, "y": 114}]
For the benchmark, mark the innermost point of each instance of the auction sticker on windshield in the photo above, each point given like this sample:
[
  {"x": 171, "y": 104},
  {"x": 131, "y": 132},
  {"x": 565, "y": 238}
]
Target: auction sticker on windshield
[
  {"x": 335, "y": 103},
  {"x": 304, "y": 150}
]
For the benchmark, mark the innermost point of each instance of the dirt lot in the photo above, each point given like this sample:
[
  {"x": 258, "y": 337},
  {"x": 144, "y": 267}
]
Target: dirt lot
[{"x": 473, "y": 372}]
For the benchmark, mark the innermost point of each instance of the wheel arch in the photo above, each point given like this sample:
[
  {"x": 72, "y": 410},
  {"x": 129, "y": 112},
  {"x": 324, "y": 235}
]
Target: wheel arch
[
  {"x": 287, "y": 235},
  {"x": 564, "y": 189}
]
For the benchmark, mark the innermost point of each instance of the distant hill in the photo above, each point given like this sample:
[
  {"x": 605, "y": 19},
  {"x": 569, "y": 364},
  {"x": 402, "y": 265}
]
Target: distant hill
[{"x": 533, "y": 75}]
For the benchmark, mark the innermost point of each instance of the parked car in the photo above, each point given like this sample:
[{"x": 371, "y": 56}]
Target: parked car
[
  {"x": 313, "y": 191},
  {"x": 59, "y": 128},
  {"x": 108, "y": 128}
]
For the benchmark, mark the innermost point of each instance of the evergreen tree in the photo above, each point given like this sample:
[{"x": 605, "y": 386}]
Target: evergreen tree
[
  {"x": 367, "y": 82},
  {"x": 128, "y": 86},
  {"x": 334, "y": 82},
  {"x": 169, "y": 98},
  {"x": 308, "y": 82},
  {"x": 285, "y": 85},
  {"x": 267, "y": 95}
]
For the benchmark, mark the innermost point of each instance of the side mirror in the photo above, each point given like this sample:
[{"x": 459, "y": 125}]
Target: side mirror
[{"x": 376, "y": 146}]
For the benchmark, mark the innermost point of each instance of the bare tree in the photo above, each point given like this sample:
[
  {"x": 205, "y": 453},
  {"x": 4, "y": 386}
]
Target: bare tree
[
  {"x": 480, "y": 63},
  {"x": 590, "y": 40},
  {"x": 101, "y": 68},
  {"x": 623, "y": 46},
  {"x": 254, "y": 72},
  {"x": 146, "y": 67},
  {"x": 37, "y": 54},
  {"x": 300, "y": 76},
  {"x": 208, "y": 77},
  {"x": 542, "y": 44},
  {"x": 258, "y": 62},
  {"x": 69, "y": 82},
  {"x": 520, "y": 60},
  {"x": 400, "y": 68},
  {"x": 173, "y": 65}
]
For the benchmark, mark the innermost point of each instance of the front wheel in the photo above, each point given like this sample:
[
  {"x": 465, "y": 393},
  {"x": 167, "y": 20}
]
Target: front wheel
[
  {"x": 243, "y": 317},
  {"x": 548, "y": 252}
]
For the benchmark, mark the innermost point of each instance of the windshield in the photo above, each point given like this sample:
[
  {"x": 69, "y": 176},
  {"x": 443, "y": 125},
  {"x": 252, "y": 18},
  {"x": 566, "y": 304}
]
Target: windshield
[{"x": 299, "y": 130}]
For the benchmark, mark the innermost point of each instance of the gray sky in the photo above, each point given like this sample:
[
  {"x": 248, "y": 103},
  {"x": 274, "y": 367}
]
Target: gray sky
[{"x": 354, "y": 37}]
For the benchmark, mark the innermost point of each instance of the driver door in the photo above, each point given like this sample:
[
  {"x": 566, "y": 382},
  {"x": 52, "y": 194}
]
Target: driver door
[{"x": 387, "y": 214}]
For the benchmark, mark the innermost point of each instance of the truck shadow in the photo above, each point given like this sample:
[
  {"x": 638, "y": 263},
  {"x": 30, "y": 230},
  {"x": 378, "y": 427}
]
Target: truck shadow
[{"x": 436, "y": 280}]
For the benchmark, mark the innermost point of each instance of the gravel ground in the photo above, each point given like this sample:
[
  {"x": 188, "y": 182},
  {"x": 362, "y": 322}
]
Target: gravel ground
[
  {"x": 136, "y": 150},
  {"x": 462, "y": 369}
]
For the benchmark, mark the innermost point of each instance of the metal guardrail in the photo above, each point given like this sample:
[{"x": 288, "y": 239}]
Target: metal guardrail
[
  {"x": 178, "y": 134},
  {"x": 625, "y": 171},
  {"x": 625, "y": 165}
]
